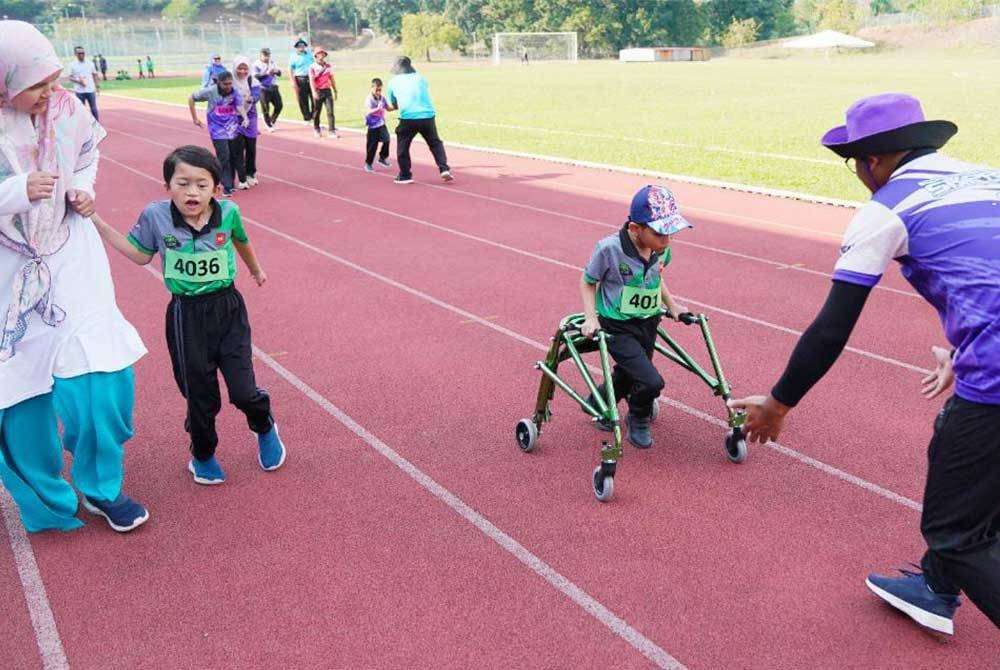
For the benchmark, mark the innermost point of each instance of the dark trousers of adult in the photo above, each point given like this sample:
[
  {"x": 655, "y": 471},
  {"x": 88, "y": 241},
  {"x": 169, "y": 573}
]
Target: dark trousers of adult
[
  {"x": 207, "y": 335},
  {"x": 270, "y": 104},
  {"x": 304, "y": 94},
  {"x": 375, "y": 136},
  {"x": 324, "y": 99},
  {"x": 230, "y": 155},
  {"x": 89, "y": 99},
  {"x": 427, "y": 129},
  {"x": 961, "y": 516},
  {"x": 249, "y": 146},
  {"x": 634, "y": 376}
]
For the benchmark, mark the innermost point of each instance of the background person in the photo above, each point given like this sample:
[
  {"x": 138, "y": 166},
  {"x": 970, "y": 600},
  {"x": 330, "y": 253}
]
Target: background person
[
  {"x": 409, "y": 92},
  {"x": 83, "y": 74},
  {"x": 299, "y": 65}
]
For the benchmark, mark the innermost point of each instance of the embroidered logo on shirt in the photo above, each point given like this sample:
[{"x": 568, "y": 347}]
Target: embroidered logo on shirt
[
  {"x": 170, "y": 242},
  {"x": 220, "y": 239},
  {"x": 625, "y": 269}
]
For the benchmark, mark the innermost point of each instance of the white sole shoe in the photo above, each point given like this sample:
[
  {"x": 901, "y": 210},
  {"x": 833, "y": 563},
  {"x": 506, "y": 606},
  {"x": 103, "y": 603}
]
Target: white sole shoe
[{"x": 923, "y": 617}]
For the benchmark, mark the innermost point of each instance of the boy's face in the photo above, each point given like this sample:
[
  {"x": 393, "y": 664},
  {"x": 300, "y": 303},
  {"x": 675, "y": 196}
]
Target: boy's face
[
  {"x": 35, "y": 100},
  {"x": 191, "y": 189},
  {"x": 650, "y": 239},
  {"x": 377, "y": 90},
  {"x": 225, "y": 86}
]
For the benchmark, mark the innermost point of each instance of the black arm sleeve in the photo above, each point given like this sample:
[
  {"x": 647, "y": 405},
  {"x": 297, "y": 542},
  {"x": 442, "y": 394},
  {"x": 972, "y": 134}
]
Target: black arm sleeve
[{"x": 821, "y": 343}]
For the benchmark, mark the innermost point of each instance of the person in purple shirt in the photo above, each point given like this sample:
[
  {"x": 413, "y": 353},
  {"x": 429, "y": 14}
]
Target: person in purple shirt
[
  {"x": 939, "y": 219},
  {"x": 266, "y": 70},
  {"x": 225, "y": 117},
  {"x": 248, "y": 88}
]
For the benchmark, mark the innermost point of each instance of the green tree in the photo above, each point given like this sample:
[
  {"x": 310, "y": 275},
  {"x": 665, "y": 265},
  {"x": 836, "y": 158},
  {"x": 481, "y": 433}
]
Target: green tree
[
  {"x": 422, "y": 32},
  {"x": 838, "y": 15},
  {"x": 741, "y": 33},
  {"x": 23, "y": 10},
  {"x": 944, "y": 11},
  {"x": 771, "y": 15},
  {"x": 386, "y": 16},
  {"x": 181, "y": 9}
]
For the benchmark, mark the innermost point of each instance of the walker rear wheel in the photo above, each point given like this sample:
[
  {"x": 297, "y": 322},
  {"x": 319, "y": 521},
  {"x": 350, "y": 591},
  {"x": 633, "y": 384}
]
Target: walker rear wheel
[
  {"x": 526, "y": 434},
  {"x": 604, "y": 485},
  {"x": 736, "y": 446}
]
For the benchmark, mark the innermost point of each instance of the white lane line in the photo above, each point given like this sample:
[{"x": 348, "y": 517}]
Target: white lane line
[
  {"x": 42, "y": 620},
  {"x": 571, "y": 217},
  {"x": 779, "y": 448},
  {"x": 621, "y": 169},
  {"x": 562, "y": 584},
  {"x": 544, "y": 259},
  {"x": 682, "y": 145}
]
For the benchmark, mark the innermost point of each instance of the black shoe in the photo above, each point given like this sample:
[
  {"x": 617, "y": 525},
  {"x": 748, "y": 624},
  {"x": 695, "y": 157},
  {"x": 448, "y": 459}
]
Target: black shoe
[
  {"x": 403, "y": 180},
  {"x": 638, "y": 431}
]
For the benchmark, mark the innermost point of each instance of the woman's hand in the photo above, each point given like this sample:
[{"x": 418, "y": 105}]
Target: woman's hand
[
  {"x": 940, "y": 380},
  {"x": 81, "y": 202},
  {"x": 41, "y": 185}
]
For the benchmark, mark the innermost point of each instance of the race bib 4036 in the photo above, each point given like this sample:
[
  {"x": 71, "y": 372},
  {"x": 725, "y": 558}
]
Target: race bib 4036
[{"x": 203, "y": 266}]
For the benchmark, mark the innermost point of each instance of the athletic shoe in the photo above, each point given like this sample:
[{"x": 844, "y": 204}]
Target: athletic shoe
[
  {"x": 270, "y": 129},
  {"x": 270, "y": 450},
  {"x": 207, "y": 472},
  {"x": 911, "y": 595},
  {"x": 600, "y": 423},
  {"x": 227, "y": 193},
  {"x": 122, "y": 514},
  {"x": 243, "y": 186},
  {"x": 384, "y": 162},
  {"x": 252, "y": 181},
  {"x": 334, "y": 135},
  {"x": 638, "y": 432},
  {"x": 316, "y": 133},
  {"x": 369, "y": 168},
  {"x": 403, "y": 180},
  {"x": 446, "y": 175}
]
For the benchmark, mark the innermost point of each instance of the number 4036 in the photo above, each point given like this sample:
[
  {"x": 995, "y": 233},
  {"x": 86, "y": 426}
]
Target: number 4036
[{"x": 197, "y": 268}]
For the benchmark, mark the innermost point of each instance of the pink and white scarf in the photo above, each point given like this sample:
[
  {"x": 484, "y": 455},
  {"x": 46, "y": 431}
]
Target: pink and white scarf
[{"x": 63, "y": 141}]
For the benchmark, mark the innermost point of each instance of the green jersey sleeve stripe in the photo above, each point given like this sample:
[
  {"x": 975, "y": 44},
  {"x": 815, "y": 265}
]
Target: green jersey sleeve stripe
[
  {"x": 138, "y": 245},
  {"x": 590, "y": 280}
]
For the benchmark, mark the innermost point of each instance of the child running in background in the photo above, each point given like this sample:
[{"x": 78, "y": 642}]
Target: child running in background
[
  {"x": 248, "y": 89},
  {"x": 224, "y": 121},
  {"x": 623, "y": 295},
  {"x": 375, "y": 107},
  {"x": 208, "y": 329},
  {"x": 324, "y": 91}
]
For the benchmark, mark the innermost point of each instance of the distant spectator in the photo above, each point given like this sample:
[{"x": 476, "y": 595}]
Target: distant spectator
[
  {"x": 265, "y": 70},
  {"x": 212, "y": 70},
  {"x": 410, "y": 94},
  {"x": 83, "y": 74},
  {"x": 324, "y": 91},
  {"x": 299, "y": 65},
  {"x": 103, "y": 66},
  {"x": 149, "y": 67},
  {"x": 139, "y": 61}
]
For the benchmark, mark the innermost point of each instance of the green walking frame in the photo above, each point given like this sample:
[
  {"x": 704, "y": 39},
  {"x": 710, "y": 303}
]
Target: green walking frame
[{"x": 569, "y": 343}]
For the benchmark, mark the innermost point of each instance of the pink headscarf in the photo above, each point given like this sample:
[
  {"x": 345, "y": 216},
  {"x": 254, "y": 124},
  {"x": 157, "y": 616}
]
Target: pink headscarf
[{"x": 63, "y": 141}]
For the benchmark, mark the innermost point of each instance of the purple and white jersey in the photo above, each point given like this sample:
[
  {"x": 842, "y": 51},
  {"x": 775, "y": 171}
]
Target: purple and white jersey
[
  {"x": 264, "y": 72},
  {"x": 940, "y": 219},
  {"x": 223, "y": 112}
]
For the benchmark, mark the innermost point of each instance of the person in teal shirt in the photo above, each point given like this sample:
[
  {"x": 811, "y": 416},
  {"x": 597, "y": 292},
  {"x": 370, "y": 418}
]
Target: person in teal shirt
[
  {"x": 299, "y": 63},
  {"x": 409, "y": 92}
]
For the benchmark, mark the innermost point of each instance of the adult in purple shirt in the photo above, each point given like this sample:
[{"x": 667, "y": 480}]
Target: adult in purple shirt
[{"x": 938, "y": 218}]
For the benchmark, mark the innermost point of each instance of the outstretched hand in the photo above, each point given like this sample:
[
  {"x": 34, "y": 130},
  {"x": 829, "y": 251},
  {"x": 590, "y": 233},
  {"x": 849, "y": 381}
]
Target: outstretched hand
[
  {"x": 81, "y": 202},
  {"x": 765, "y": 417},
  {"x": 941, "y": 379}
]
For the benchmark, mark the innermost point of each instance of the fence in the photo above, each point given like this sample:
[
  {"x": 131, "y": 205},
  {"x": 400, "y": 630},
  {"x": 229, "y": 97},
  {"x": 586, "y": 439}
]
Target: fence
[{"x": 908, "y": 18}]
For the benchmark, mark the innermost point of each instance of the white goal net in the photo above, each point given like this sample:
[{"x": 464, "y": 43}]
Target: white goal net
[{"x": 528, "y": 47}]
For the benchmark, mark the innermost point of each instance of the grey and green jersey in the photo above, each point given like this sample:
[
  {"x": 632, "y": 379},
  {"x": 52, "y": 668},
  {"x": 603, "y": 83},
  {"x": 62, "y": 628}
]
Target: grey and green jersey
[
  {"x": 195, "y": 262},
  {"x": 628, "y": 287}
]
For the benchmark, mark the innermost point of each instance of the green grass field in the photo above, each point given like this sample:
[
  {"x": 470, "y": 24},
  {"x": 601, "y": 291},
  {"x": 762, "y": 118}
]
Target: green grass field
[{"x": 751, "y": 121}]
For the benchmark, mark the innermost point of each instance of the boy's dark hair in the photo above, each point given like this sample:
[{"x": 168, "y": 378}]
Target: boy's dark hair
[
  {"x": 196, "y": 156},
  {"x": 376, "y": 82},
  {"x": 225, "y": 74}
]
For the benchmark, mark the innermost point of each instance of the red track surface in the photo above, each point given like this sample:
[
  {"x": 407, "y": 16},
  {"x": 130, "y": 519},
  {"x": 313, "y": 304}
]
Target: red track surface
[{"x": 343, "y": 560}]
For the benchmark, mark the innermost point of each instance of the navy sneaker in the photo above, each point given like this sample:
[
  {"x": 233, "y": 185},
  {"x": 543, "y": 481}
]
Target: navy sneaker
[
  {"x": 122, "y": 514},
  {"x": 369, "y": 168},
  {"x": 207, "y": 472},
  {"x": 271, "y": 451},
  {"x": 384, "y": 162},
  {"x": 600, "y": 422},
  {"x": 911, "y": 595},
  {"x": 401, "y": 179},
  {"x": 638, "y": 431}
]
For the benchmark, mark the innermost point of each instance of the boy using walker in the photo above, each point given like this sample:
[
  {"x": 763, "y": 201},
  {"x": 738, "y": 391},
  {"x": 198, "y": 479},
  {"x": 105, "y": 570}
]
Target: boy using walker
[{"x": 624, "y": 295}]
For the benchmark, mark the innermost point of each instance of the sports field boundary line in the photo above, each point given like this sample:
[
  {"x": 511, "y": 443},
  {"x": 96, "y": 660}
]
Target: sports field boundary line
[
  {"x": 553, "y": 261},
  {"x": 652, "y": 651},
  {"x": 774, "y": 446},
  {"x": 623, "y": 169},
  {"x": 50, "y": 646}
]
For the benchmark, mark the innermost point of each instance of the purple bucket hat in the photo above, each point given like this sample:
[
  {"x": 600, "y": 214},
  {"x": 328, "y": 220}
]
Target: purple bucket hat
[
  {"x": 656, "y": 207},
  {"x": 884, "y": 124}
]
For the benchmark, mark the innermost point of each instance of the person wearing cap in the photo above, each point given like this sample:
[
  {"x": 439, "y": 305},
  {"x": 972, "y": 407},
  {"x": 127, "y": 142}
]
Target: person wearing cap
[
  {"x": 939, "y": 219},
  {"x": 212, "y": 71},
  {"x": 409, "y": 93},
  {"x": 265, "y": 70},
  {"x": 299, "y": 63},
  {"x": 624, "y": 295},
  {"x": 324, "y": 91}
]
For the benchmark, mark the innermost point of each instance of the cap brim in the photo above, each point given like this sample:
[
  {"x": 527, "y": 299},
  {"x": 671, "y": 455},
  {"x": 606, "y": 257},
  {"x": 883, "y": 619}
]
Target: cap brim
[
  {"x": 921, "y": 135},
  {"x": 670, "y": 225}
]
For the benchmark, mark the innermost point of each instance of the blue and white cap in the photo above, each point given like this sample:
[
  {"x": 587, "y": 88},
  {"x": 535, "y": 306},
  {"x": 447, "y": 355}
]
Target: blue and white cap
[{"x": 656, "y": 207}]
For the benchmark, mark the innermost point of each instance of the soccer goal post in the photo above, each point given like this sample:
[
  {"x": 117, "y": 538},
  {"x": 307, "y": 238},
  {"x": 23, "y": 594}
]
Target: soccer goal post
[{"x": 528, "y": 47}]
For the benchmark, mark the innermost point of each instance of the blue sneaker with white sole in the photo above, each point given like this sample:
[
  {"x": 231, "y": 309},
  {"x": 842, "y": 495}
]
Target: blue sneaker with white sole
[
  {"x": 206, "y": 472},
  {"x": 911, "y": 595},
  {"x": 122, "y": 514},
  {"x": 270, "y": 450}
]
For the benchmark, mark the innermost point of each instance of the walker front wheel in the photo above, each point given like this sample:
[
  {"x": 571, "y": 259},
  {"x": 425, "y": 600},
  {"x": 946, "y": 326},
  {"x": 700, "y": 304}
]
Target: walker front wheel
[
  {"x": 736, "y": 446},
  {"x": 526, "y": 434},
  {"x": 604, "y": 485}
]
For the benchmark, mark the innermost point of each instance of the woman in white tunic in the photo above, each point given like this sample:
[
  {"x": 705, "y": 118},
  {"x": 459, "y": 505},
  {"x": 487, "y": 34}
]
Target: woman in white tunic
[{"x": 64, "y": 346}]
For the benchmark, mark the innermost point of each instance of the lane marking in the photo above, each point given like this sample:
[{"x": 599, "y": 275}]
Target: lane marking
[
  {"x": 546, "y": 259},
  {"x": 50, "y": 646},
  {"x": 774, "y": 446}
]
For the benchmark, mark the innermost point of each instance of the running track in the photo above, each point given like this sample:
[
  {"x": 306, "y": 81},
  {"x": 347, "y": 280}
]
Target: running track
[{"x": 397, "y": 335}]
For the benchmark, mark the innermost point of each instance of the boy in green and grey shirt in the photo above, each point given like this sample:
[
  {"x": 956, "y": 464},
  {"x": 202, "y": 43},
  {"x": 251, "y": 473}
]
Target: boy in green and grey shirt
[
  {"x": 208, "y": 329},
  {"x": 623, "y": 295}
]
